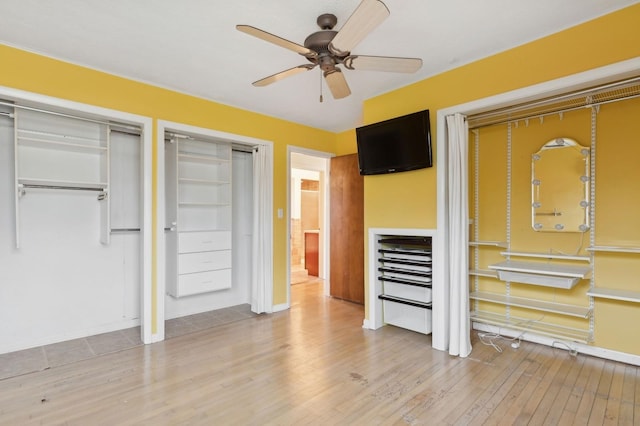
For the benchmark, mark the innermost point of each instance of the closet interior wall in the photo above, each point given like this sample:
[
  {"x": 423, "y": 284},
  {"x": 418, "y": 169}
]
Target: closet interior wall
[
  {"x": 70, "y": 223},
  {"x": 500, "y": 203}
]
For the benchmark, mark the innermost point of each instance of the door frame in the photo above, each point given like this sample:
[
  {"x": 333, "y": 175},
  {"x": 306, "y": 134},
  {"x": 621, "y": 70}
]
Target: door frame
[{"x": 325, "y": 229}]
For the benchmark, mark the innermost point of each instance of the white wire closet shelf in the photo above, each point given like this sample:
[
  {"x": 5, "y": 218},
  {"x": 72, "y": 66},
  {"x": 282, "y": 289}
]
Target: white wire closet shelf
[{"x": 532, "y": 325}]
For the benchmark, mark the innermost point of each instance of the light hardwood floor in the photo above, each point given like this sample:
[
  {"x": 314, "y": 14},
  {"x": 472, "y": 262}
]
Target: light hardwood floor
[{"x": 314, "y": 364}]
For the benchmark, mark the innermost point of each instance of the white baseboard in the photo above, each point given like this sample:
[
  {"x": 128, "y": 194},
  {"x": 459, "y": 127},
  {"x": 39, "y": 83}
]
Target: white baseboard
[
  {"x": 365, "y": 324},
  {"x": 561, "y": 344},
  {"x": 281, "y": 307}
]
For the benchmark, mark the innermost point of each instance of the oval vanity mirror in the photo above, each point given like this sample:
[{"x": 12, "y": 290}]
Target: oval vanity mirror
[{"x": 560, "y": 187}]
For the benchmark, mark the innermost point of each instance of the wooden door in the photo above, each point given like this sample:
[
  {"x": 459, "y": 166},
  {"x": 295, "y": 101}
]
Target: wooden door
[{"x": 347, "y": 229}]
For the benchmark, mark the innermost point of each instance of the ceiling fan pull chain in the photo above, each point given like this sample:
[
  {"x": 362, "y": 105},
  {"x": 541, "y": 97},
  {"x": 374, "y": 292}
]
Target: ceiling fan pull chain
[{"x": 321, "y": 86}]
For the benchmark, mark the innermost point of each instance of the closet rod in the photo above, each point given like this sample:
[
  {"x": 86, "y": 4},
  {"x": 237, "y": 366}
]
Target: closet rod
[
  {"x": 119, "y": 230},
  {"x": 546, "y": 114},
  {"x": 587, "y": 95},
  {"x": 61, "y": 114},
  {"x": 74, "y": 188}
]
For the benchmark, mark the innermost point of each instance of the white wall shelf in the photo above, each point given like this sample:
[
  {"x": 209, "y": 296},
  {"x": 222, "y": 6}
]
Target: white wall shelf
[
  {"x": 544, "y": 274},
  {"x": 535, "y": 304},
  {"x": 533, "y": 326},
  {"x": 557, "y": 256},
  {"x": 615, "y": 249},
  {"x": 501, "y": 244},
  {"x": 615, "y": 294},
  {"x": 60, "y": 184},
  {"x": 483, "y": 273}
]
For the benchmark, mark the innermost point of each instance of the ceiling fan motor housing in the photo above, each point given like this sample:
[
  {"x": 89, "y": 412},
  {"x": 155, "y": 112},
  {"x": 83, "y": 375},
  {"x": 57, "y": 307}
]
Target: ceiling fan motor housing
[{"x": 319, "y": 43}]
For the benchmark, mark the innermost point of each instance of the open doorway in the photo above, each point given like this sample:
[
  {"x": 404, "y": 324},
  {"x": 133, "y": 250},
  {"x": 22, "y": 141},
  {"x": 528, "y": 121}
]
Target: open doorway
[{"x": 308, "y": 217}]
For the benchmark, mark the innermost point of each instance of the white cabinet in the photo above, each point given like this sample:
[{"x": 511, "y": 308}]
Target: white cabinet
[
  {"x": 198, "y": 200},
  {"x": 55, "y": 152},
  {"x": 404, "y": 269}
]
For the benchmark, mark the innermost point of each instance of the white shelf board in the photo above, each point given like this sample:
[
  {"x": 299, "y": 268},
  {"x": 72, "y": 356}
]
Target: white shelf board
[
  {"x": 618, "y": 249},
  {"x": 572, "y": 271},
  {"x": 483, "y": 273},
  {"x": 546, "y": 255},
  {"x": 615, "y": 294},
  {"x": 544, "y": 274},
  {"x": 201, "y": 158},
  {"x": 502, "y": 244},
  {"x": 60, "y": 145},
  {"x": 539, "y": 305},
  {"x": 533, "y": 326},
  {"x": 62, "y": 183},
  {"x": 201, "y": 204},
  {"x": 203, "y": 181}
]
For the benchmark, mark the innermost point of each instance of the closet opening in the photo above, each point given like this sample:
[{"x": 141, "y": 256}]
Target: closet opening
[
  {"x": 216, "y": 240},
  {"x": 72, "y": 229}
]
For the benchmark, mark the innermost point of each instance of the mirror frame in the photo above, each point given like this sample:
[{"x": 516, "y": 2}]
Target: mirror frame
[{"x": 583, "y": 180}]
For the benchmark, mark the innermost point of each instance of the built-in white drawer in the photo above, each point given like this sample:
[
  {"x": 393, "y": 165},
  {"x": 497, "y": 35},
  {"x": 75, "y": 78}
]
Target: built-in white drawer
[
  {"x": 204, "y": 261},
  {"x": 410, "y": 317},
  {"x": 406, "y": 291},
  {"x": 203, "y": 282},
  {"x": 191, "y": 242}
]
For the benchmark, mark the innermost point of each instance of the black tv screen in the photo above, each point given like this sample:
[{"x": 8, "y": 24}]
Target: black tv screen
[{"x": 396, "y": 145}]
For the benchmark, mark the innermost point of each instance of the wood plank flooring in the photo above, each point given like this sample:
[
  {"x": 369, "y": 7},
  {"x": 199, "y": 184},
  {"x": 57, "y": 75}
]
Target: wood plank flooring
[{"x": 314, "y": 364}]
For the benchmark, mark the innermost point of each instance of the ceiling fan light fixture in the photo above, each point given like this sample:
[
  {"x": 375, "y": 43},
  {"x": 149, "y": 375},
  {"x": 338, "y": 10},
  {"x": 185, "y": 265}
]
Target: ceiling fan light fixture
[
  {"x": 337, "y": 83},
  {"x": 367, "y": 16}
]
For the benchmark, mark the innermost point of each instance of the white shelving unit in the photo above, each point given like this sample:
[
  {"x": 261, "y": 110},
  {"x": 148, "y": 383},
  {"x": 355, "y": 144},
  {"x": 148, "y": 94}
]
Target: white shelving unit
[
  {"x": 405, "y": 273},
  {"x": 198, "y": 186},
  {"x": 61, "y": 153}
]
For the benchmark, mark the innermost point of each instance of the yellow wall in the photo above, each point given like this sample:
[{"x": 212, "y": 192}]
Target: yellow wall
[
  {"x": 38, "y": 74},
  {"x": 406, "y": 199},
  {"x": 409, "y": 199}
]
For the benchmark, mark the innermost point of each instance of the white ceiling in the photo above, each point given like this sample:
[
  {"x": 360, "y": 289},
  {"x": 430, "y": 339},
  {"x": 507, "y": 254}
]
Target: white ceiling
[{"x": 192, "y": 46}]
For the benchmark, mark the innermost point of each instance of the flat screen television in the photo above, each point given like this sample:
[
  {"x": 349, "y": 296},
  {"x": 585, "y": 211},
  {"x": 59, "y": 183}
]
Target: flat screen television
[{"x": 396, "y": 145}]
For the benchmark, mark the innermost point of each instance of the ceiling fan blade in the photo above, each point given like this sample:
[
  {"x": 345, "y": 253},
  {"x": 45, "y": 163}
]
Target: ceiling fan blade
[
  {"x": 382, "y": 63},
  {"x": 283, "y": 74},
  {"x": 337, "y": 83},
  {"x": 368, "y": 15},
  {"x": 278, "y": 41}
]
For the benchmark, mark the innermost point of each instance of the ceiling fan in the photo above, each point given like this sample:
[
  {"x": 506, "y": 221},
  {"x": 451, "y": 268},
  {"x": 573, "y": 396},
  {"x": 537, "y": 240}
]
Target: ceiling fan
[{"x": 328, "y": 48}]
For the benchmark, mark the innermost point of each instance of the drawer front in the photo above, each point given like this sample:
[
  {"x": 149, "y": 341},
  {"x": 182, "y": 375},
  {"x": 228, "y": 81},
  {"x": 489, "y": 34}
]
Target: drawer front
[
  {"x": 191, "y": 242},
  {"x": 405, "y": 316},
  {"x": 405, "y": 291},
  {"x": 204, "y": 282},
  {"x": 204, "y": 261}
]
